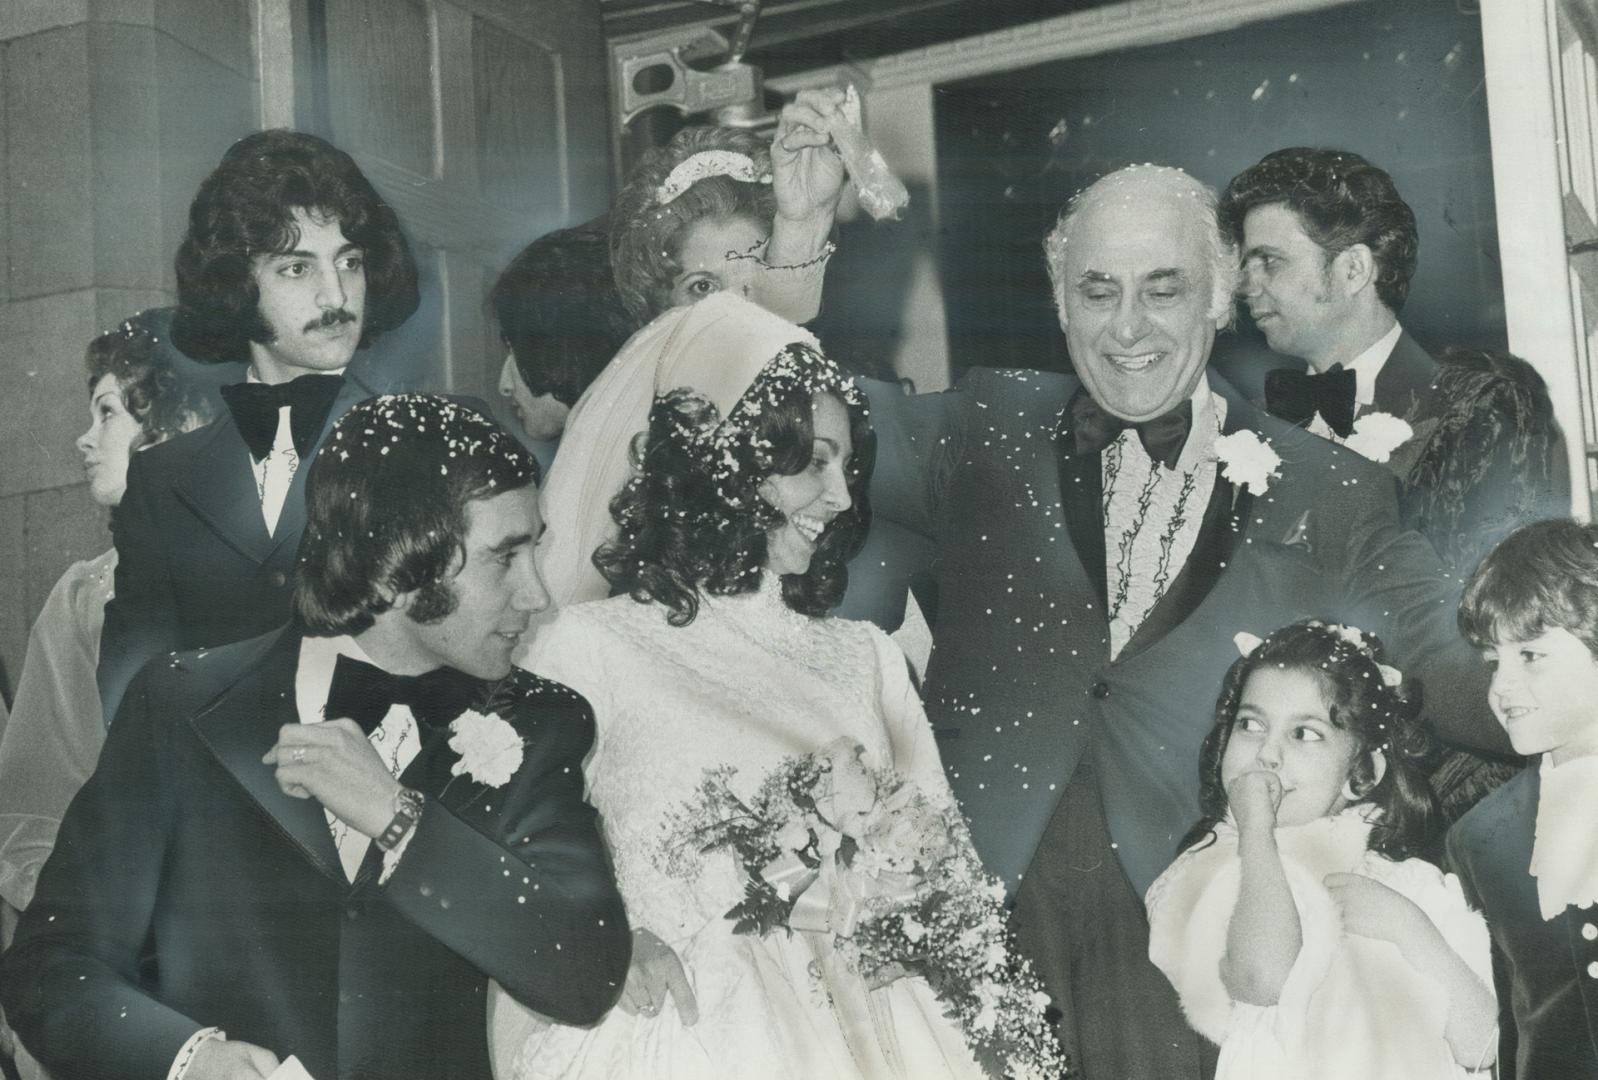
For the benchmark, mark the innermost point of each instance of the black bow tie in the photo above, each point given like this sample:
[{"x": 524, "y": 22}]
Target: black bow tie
[
  {"x": 365, "y": 694},
  {"x": 1296, "y": 397},
  {"x": 1163, "y": 436},
  {"x": 255, "y": 407}
]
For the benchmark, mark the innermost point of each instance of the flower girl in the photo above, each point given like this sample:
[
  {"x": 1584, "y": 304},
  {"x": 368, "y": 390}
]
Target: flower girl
[{"x": 1299, "y": 927}]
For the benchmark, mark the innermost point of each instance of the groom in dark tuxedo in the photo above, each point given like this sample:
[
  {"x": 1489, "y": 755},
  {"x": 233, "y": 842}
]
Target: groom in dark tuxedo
[
  {"x": 1329, "y": 248},
  {"x": 1101, "y": 539},
  {"x": 291, "y": 262},
  {"x": 324, "y": 841}
]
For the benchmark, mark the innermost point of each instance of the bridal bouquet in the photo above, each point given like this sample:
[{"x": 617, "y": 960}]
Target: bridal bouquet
[{"x": 831, "y": 846}]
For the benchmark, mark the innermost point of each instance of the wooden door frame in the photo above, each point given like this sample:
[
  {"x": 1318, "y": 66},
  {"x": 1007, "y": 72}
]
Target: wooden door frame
[{"x": 1526, "y": 122}]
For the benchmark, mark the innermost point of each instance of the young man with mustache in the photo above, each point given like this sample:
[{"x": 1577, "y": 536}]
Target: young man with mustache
[{"x": 291, "y": 262}]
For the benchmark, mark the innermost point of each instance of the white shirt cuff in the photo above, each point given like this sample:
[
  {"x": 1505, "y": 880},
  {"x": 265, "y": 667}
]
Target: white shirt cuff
[{"x": 185, "y": 1058}]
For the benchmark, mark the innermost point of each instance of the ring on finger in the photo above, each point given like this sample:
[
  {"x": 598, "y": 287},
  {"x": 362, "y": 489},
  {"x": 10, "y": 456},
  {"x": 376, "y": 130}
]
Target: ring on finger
[{"x": 298, "y": 753}]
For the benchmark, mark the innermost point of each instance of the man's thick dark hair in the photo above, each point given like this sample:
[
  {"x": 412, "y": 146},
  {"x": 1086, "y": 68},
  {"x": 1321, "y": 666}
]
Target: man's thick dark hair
[
  {"x": 246, "y": 208},
  {"x": 385, "y": 506},
  {"x": 559, "y": 311},
  {"x": 1544, "y": 576},
  {"x": 646, "y": 238},
  {"x": 154, "y": 392},
  {"x": 680, "y": 535},
  {"x": 1341, "y": 200},
  {"x": 1359, "y": 702}
]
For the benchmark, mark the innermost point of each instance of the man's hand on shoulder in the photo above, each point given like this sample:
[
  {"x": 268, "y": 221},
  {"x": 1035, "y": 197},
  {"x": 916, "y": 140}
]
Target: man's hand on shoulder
[
  {"x": 334, "y": 763},
  {"x": 222, "y": 1059}
]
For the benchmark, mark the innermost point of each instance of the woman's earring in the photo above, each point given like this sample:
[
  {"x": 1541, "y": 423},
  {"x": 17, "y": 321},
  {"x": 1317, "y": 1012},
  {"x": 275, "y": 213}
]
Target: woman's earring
[{"x": 1349, "y": 794}]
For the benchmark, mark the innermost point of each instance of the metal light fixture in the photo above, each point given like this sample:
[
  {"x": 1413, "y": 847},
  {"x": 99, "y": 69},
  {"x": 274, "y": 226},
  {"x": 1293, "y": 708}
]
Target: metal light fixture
[{"x": 665, "y": 70}]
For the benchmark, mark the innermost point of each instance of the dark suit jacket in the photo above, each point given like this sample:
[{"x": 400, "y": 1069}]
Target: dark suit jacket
[
  {"x": 1403, "y": 386},
  {"x": 1021, "y": 686},
  {"x": 187, "y": 890},
  {"x": 1547, "y": 983},
  {"x": 1405, "y": 380},
  {"x": 195, "y": 564}
]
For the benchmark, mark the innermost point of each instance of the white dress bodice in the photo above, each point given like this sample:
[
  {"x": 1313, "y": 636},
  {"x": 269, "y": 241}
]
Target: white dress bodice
[{"x": 746, "y": 684}]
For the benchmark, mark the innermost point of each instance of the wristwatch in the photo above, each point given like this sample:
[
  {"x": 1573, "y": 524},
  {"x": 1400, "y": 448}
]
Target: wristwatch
[{"x": 407, "y": 811}]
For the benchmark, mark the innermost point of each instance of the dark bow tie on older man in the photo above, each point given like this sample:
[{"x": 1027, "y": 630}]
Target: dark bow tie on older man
[
  {"x": 1297, "y": 396},
  {"x": 255, "y": 408},
  {"x": 1162, "y": 436}
]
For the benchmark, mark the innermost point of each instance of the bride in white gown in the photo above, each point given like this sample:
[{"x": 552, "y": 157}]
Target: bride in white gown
[{"x": 732, "y": 546}]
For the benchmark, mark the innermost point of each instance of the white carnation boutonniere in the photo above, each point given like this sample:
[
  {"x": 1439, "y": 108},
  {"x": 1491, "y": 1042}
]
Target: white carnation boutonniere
[
  {"x": 1248, "y": 460},
  {"x": 490, "y": 749},
  {"x": 1377, "y": 434}
]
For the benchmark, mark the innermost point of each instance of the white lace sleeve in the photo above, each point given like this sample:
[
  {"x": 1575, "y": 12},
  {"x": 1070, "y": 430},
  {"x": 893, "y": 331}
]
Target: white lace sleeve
[{"x": 915, "y": 751}]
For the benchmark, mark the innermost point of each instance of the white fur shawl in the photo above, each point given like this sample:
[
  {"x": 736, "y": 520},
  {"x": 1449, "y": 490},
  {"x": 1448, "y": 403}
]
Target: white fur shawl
[{"x": 1351, "y": 1006}]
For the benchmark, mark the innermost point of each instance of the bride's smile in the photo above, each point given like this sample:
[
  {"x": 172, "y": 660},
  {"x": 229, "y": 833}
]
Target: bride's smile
[{"x": 812, "y": 497}]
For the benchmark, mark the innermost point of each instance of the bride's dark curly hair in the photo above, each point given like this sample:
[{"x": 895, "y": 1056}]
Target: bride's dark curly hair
[{"x": 692, "y": 519}]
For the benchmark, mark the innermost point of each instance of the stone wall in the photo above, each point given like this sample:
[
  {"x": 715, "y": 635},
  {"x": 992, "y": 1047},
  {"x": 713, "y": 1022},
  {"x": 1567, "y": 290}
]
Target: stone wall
[{"x": 111, "y": 112}]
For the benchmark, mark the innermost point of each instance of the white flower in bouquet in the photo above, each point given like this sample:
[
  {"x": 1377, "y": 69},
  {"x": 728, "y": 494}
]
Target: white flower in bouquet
[
  {"x": 988, "y": 999},
  {"x": 833, "y": 848},
  {"x": 851, "y": 791},
  {"x": 795, "y": 835},
  {"x": 490, "y": 749}
]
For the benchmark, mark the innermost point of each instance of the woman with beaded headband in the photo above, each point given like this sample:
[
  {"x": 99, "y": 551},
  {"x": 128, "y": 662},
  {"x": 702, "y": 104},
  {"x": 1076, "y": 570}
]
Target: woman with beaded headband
[
  {"x": 715, "y": 210},
  {"x": 139, "y": 395},
  {"x": 718, "y": 208},
  {"x": 1302, "y": 926},
  {"x": 717, "y": 654}
]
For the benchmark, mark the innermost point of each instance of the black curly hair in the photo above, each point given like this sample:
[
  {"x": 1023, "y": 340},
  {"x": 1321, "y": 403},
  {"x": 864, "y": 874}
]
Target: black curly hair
[
  {"x": 385, "y": 516},
  {"x": 685, "y": 533},
  {"x": 1359, "y": 702},
  {"x": 153, "y": 391},
  {"x": 1341, "y": 200},
  {"x": 246, "y": 208},
  {"x": 1491, "y": 462},
  {"x": 645, "y": 237},
  {"x": 559, "y": 312}
]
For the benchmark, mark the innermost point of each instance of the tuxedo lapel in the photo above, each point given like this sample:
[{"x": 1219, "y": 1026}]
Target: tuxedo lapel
[
  {"x": 291, "y": 521},
  {"x": 1402, "y": 383},
  {"x": 219, "y": 487},
  {"x": 1082, "y": 503},
  {"x": 1226, "y": 520},
  {"x": 241, "y": 725}
]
